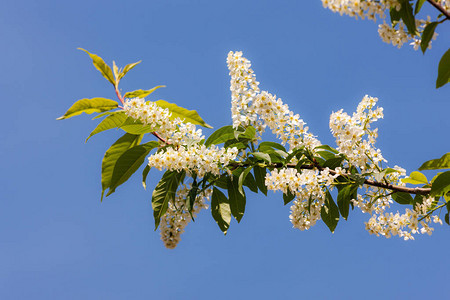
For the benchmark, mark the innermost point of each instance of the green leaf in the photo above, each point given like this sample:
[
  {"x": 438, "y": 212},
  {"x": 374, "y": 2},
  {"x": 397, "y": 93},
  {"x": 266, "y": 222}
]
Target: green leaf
[
  {"x": 127, "y": 68},
  {"x": 345, "y": 195},
  {"x": 330, "y": 212},
  {"x": 395, "y": 15},
  {"x": 419, "y": 4},
  {"x": 115, "y": 71},
  {"x": 107, "y": 113},
  {"x": 260, "y": 178},
  {"x": 142, "y": 93},
  {"x": 263, "y": 156},
  {"x": 416, "y": 178},
  {"x": 326, "y": 147},
  {"x": 220, "y": 210},
  {"x": 333, "y": 163},
  {"x": 128, "y": 163},
  {"x": 164, "y": 192},
  {"x": 441, "y": 185},
  {"x": 112, "y": 155},
  {"x": 190, "y": 200},
  {"x": 407, "y": 15},
  {"x": 264, "y": 146},
  {"x": 403, "y": 198},
  {"x": 182, "y": 113},
  {"x": 144, "y": 176},
  {"x": 89, "y": 106},
  {"x": 114, "y": 120},
  {"x": 427, "y": 34},
  {"x": 101, "y": 66},
  {"x": 237, "y": 200},
  {"x": 220, "y": 136},
  {"x": 436, "y": 164},
  {"x": 242, "y": 178},
  {"x": 446, "y": 218},
  {"x": 443, "y": 70},
  {"x": 250, "y": 182},
  {"x": 288, "y": 197},
  {"x": 133, "y": 126}
]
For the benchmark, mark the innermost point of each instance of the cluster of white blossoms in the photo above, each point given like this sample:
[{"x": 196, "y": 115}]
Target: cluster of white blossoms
[
  {"x": 250, "y": 106},
  {"x": 413, "y": 221},
  {"x": 309, "y": 189},
  {"x": 177, "y": 215},
  {"x": 350, "y": 132},
  {"x": 196, "y": 159},
  {"x": 186, "y": 153},
  {"x": 397, "y": 34},
  {"x": 173, "y": 131}
]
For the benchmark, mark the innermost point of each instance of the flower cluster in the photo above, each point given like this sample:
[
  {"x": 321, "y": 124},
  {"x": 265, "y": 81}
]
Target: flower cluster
[
  {"x": 250, "y": 106},
  {"x": 395, "y": 34},
  {"x": 177, "y": 215},
  {"x": 196, "y": 159},
  {"x": 309, "y": 188},
  {"x": 404, "y": 225},
  {"x": 349, "y": 133},
  {"x": 173, "y": 131}
]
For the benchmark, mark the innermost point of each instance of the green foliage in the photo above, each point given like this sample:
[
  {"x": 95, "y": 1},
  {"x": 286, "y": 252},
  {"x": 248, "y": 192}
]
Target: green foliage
[
  {"x": 345, "y": 195},
  {"x": 441, "y": 185},
  {"x": 182, "y": 113},
  {"x": 164, "y": 192},
  {"x": 418, "y": 6},
  {"x": 133, "y": 126},
  {"x": 407, "y": 15},
  {"x": 436, "y": 164},
  {"x": 220, "y": 136},
  {"x": 288, "y": 197},
  {"x": 126, "y": 69},
  {"x": 260, "y": 174},
  {"x": 402, "y": 198},
  {"x": 330, "y": 212},
  {"x": 124, "y": 143},
  {"x": 237, "y": 199},
  {"x": 416, "y": 178},
  {"x": 427, "y": 34},
  {"x": 142, "y": 93},
  {"x": 101, "y": 66},
  {"x": 114, "y": 120},
  {"x": 128, "y": 163},
  {"x": 443, "y": 70},
  {"x": 144, "y": 176},
  {"x": 89, "y": 106},
  {"x": 220, "y": 210}
]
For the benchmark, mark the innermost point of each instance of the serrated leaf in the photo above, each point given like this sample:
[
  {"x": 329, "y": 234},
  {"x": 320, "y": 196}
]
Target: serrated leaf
[
  {"x": 114, "y": 120},
  {"x": 220, "y": 136},
  {"x": 441, "y": 185},
  {"x": 427, "y": 34},
  {"x": 182, "y": 113},
  {"x": 345, "y": 195},
  {"x": 237, "y": 200},
  {"x": 144, "y": 176},
  {"x": 164, "y": 192},
  {"x": 443, "y": 70},
  {"x": 133, "y": 126},
  {"x": 112, "y": 155},
  {"x": 128, "y": 68},
  {"x": 220, "y": 210},
  {"x": 142, "y": 93},
  {"x": 403, "y": 198},
  {"x": 89, "y": 106},
  {"x": 419, "y": 4},
  {"x": 128, "y": 163},
  {"x": 416, "y": 178},
  {"x": 101, "y": 66},
  {"x": 260, "y": 178},
  {"x": 436, "y": 164},
  {"x": 330, "y": 212}
]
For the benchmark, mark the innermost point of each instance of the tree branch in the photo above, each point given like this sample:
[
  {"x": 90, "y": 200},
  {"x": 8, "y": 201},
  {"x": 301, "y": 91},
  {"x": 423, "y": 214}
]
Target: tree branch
[{"x": 440, "y": 8}]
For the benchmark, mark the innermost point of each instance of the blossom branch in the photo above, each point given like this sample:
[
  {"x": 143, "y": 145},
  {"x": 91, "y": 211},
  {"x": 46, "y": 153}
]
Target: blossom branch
[
  {"x": 440, "y": 8},
  {"x": 388, "y": 186}
]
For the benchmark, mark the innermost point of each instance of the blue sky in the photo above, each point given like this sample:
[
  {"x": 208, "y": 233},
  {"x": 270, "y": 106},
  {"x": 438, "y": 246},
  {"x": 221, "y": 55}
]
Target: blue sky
[{"x": 58, "y": 241}]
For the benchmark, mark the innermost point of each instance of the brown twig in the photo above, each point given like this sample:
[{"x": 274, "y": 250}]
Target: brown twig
[{"x": 440, "y": 8}]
